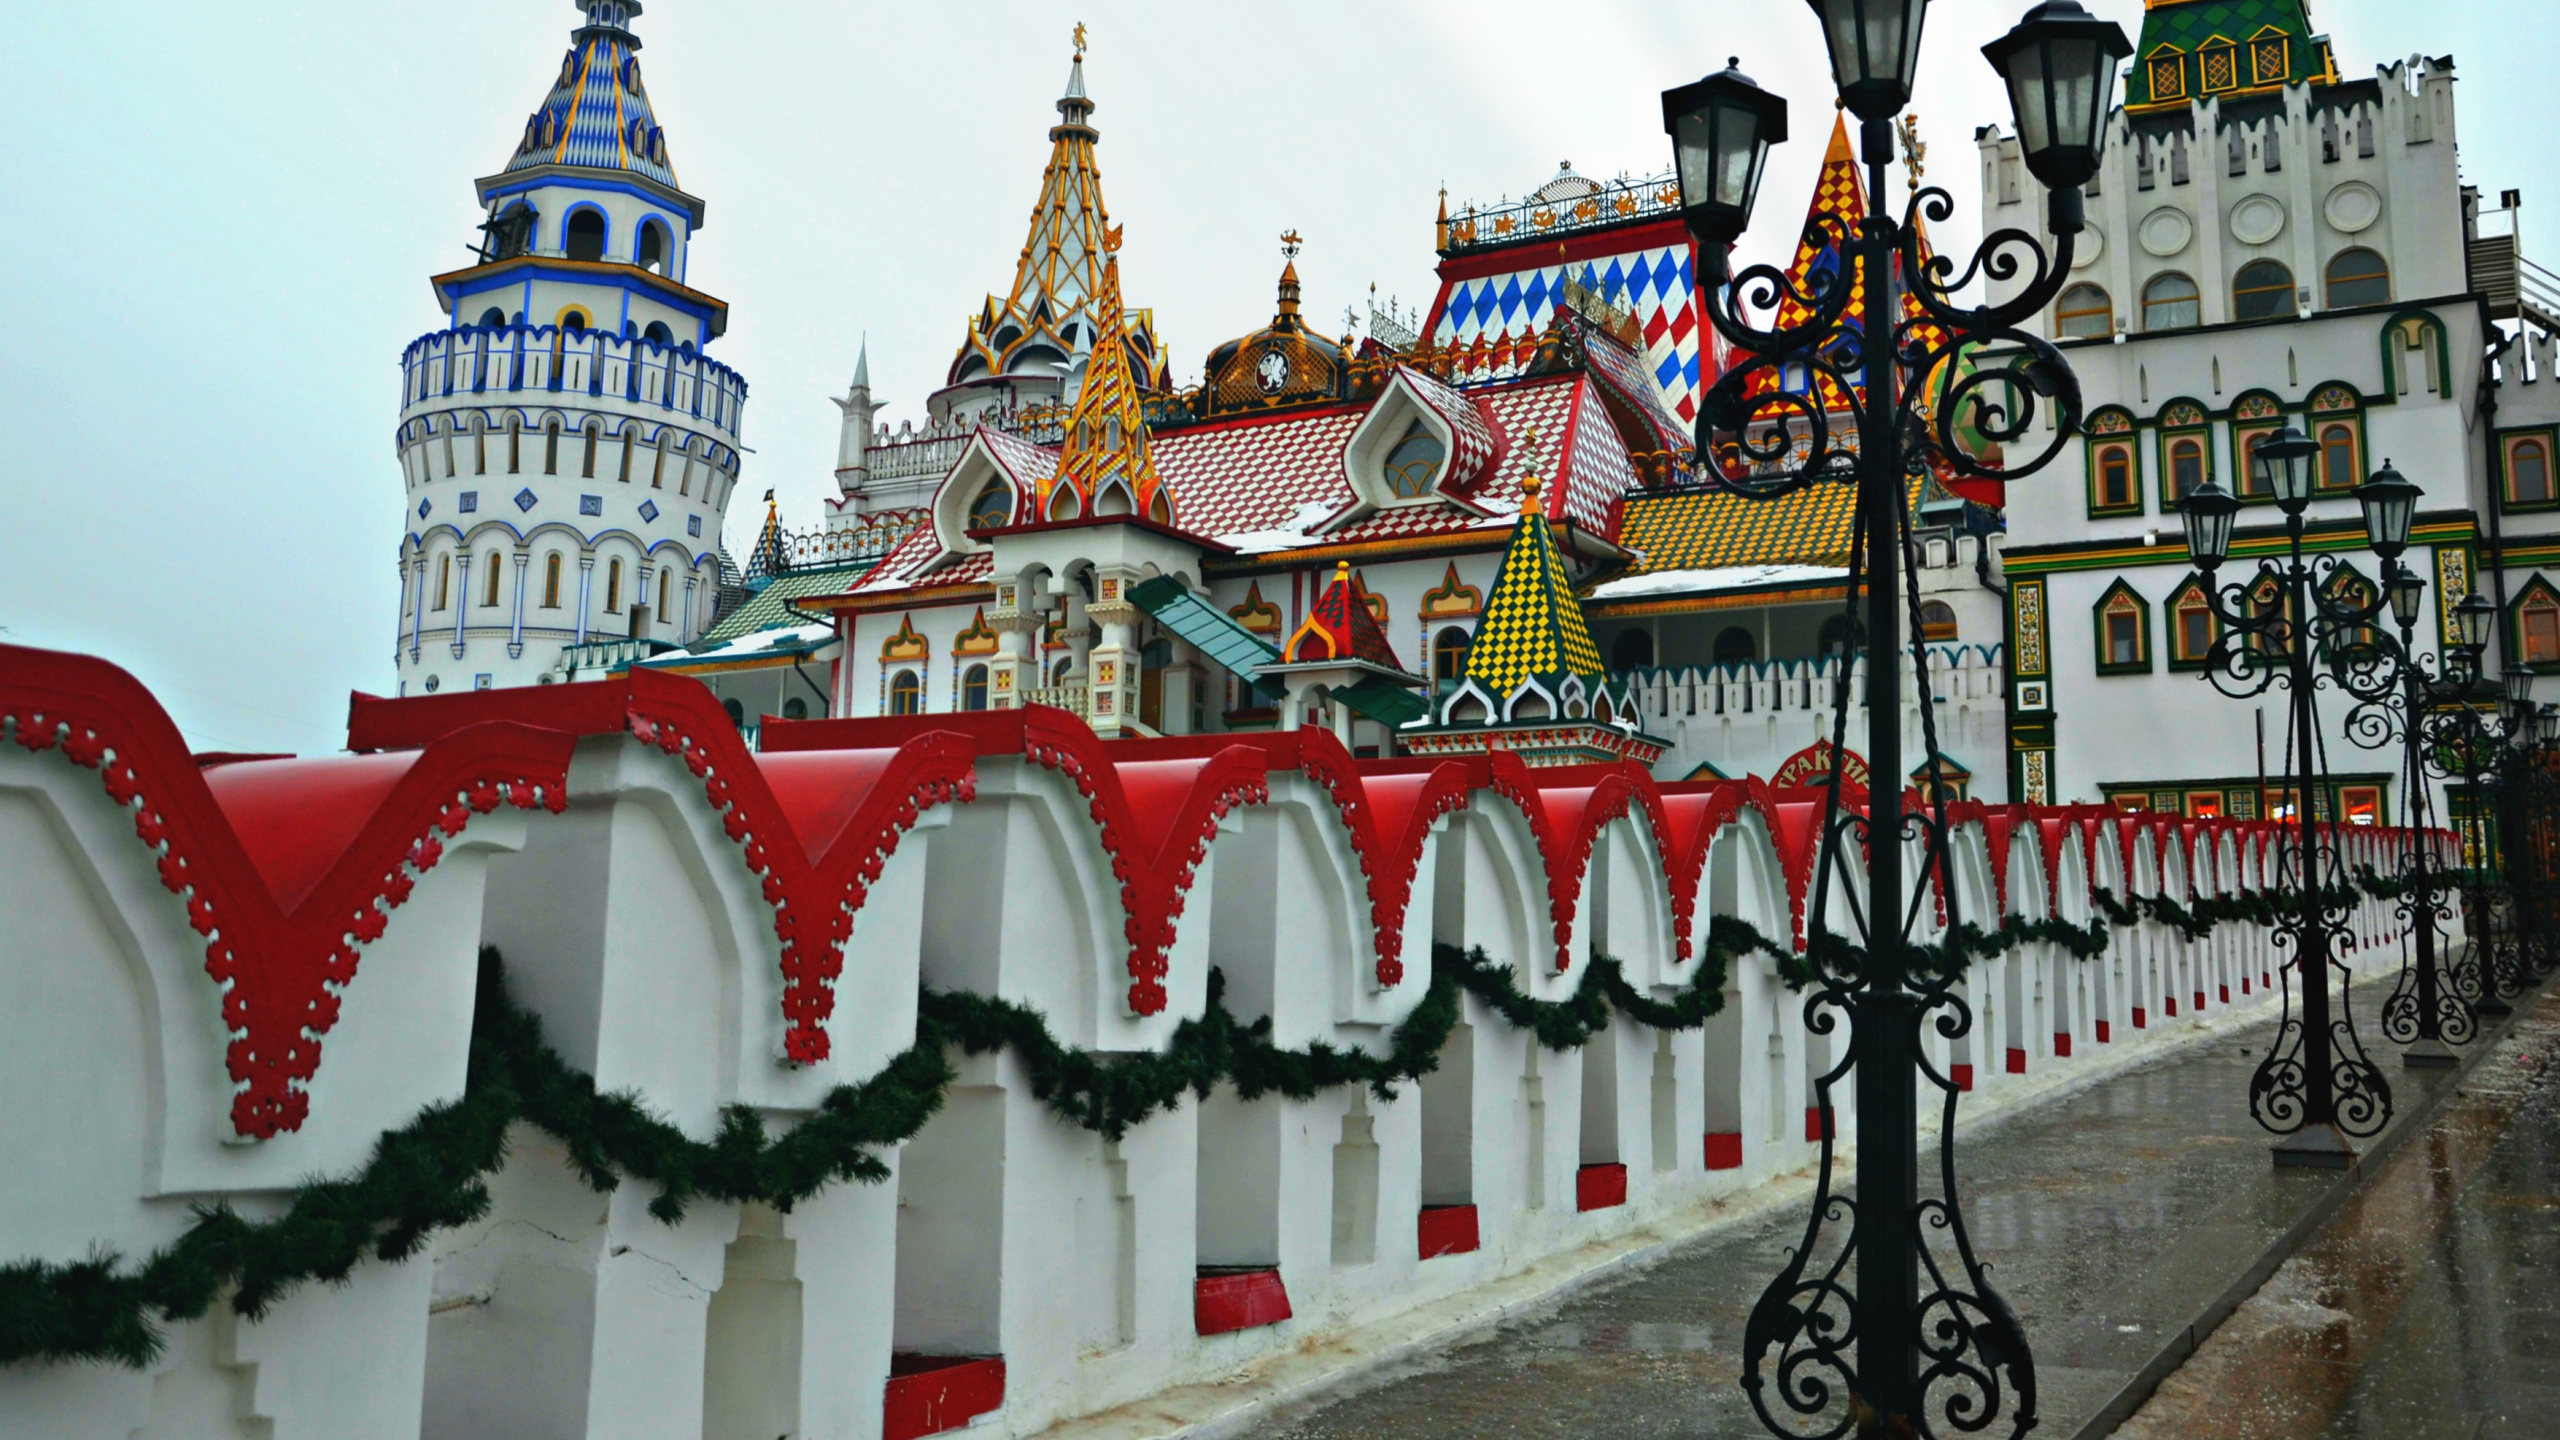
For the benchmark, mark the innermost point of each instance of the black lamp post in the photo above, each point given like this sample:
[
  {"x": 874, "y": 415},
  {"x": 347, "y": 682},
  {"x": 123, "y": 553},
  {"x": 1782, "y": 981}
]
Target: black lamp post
[
  {"x": 2316, "y": 1086},
  {"x": 1889, "y": 1356},
  {"x": 2427, "y": 1011}
]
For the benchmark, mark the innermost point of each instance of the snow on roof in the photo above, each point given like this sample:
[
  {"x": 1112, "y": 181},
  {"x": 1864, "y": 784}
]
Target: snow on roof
[{"x": 1731, "y": 577}]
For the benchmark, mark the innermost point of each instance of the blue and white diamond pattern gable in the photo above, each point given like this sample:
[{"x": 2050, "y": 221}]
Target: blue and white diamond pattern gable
[
  {"x": 1657, "y": 284},
  {"x": 597, "y": 115}
]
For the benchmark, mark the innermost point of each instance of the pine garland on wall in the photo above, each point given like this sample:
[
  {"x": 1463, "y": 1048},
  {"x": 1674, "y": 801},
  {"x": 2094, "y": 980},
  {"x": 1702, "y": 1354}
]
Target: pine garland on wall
[{"x": 431, "y": 1174}]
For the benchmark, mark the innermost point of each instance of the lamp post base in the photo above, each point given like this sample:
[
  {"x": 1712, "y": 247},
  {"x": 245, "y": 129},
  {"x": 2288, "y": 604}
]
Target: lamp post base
[
  {"x": 2315, "y": 1147},
  {"x": 2494, "y": 1008},
  {"x": 2429, "y": 1054}
]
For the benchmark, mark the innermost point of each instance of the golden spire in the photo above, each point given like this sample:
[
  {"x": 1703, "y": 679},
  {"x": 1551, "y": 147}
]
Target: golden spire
[{"x": 1106, "y": 465}]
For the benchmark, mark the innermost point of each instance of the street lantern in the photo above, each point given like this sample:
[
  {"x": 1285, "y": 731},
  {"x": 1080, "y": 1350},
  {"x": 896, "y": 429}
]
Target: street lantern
[
  {"x": 2546, "y": 724},
  {"x": 2060, "y": 65},
  {"x": 2390, "y": 502},
  {"x": 2208, "y": 512},
  {"x": 2472, "y": 618},
  {"x": 2407, "y": 590},
  {"x": 1721, "y": 129},
  {"x": 2289, "y": 457},
  {"x": 1874, "y": 45},
  {"x": 2519, "y": 687}
]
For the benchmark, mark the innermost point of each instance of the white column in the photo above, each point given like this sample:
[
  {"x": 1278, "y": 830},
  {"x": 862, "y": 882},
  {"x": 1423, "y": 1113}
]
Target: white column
[
  {"x": 418, "y": 608},
  {"x": 684, "y": 629},
  {"x": 586, "y": 582}
]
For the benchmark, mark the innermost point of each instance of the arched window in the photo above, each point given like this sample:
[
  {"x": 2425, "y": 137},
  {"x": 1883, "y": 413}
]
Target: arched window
[
  {"x": 657, "y": 333},
  {"x": 2538, "y": 627},
  {"x": 658, "y": 467},
  {"x": 666, "y": 579},
  {"x": 630, "y": 435},
  {"x": 551, "y": 581},
  {"x": 2171, "y": 302},
  {"x": 2338, "y": 467},
  {"x": 515, "y": 444},
  {"x": 2358, "y": 277},
  {"x": 1839, "y": 637},
  {"x": 737, "y": 713},
  {"x": 973, "y": 688},
  {"x": 551, "y": 447},
  {"x": 493, "y": 317},
  {"x": 2191, "y": 627},
  {"x": 2254, "y": 479},
  {"x": 479, "y": 446},
  {"x": 1449, "y": 657},
  {"x": 2186, "y": 466},
  {"x": 993, "y": 507},
  {"x": 587, "y": 466},
  {"x": 613, "y": 587},
  {"x": 2263, "y": 290},
  {"x": 444, "y": 582},
  {"x": 1737, "y": 646},
  {"x": 489, "y": 588},
  {"x": 1937, "y": 620},
  {"x": 1632, "y": 650},
  {"x": 573, "y": 322},
  {"x": 795, "y": 708},
  {"x": 585, "y": 240},
  {"x": 1058, "y": 671},
  {"x": 906, "y": 693},
  {"x": 652, "y": 255},
  {"x": 2528, "y": 471},
  {"x": 2084, "y": 312},
  {"x": 2124, "y": 641},
  {"x": 1415, "y": 462},
  {"x": 2115, "y": 478}
]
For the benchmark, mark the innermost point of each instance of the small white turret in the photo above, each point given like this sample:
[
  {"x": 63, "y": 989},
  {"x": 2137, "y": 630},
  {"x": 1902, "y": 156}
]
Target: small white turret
[{"x": 853, "y": 446}]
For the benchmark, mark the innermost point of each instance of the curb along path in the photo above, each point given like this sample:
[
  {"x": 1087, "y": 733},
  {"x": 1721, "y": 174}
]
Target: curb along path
[{"x": 2124, "y": 1220}]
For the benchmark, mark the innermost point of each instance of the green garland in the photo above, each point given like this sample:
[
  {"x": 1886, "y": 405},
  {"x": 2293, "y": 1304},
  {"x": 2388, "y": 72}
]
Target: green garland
[{"x": 430, "y": 1174}]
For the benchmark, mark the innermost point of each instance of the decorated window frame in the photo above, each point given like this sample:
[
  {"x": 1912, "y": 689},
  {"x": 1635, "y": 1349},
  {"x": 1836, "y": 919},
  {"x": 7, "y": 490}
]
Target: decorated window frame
[
  {"x": 2217, "y": 66},
  {"x": 2270, "y": 57},
  {"x": 2348, "y": 585},
  {"x": 2254, "y": 417},
  {"x": 2182, "y": 422},
  {"x": 2538, "y": 447},
  {"x": 2335, "y": 409},
  {"x": 2533, "y": 624},
  {"x": 904, "y": 658},
  {"x": 2191, "y": 598},
  {"x": 2166, "y": 71},
  {"x": 2111, "y": 435},
  {"x": 2121, "y": 601}
]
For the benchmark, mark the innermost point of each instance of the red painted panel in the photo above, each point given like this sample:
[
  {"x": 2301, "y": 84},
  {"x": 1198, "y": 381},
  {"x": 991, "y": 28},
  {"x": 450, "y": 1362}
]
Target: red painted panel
[
  {"x": 2200, "y": 1001},
  {"x": 2106, "y": 1033},
  {"x": 2141, "y": 1018},
  {"x": 2169, "y": 1006},
  {"x": 929, "y": 1394},
  {"x": 1962, "y": 1074},
  {"x": 2062, "y": 1044},
  {"x": 1814, "y": 1129},
  {"x": 1226, "y": 1298},
  {"x": 1724, "y": 1149},
  {"x": 2244, "y": 984},
  {"x": 2017, "y": 1061},
  {"x": 1600, "y": 1187},
  {"x": 1447, "y": 1230}
]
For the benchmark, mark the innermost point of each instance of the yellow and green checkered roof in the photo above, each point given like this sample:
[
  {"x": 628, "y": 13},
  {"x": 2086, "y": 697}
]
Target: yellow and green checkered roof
[
  {"x": 1533, "y": 625},
  {"x": 1813, "y": 526}
]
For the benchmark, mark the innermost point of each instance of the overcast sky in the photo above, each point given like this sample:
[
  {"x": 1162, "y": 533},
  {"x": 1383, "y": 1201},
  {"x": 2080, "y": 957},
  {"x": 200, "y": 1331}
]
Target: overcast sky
[{"x": 225, "y": 211}]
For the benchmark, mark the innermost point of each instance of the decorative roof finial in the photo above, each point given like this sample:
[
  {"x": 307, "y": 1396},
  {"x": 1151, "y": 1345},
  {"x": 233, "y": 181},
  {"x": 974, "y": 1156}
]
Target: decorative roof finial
[
  {"x": 1914, "y": 149},
  {"x": 1289, "y": 243},
  {"x": 1079, "y": 39}
]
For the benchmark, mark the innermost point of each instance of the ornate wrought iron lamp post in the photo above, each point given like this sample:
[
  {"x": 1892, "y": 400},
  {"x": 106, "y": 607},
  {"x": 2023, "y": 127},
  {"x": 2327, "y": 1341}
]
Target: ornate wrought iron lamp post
[
  {"x": 1917, "y": 1347},
  {"x": 2428, "y": 1010},
  {"x": 2316, "y": 1087}
]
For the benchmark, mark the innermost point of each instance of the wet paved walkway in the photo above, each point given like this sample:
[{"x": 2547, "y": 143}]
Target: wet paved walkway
[
  {"x": 2112, "y": 1217},
  {"x": 2429, "y": 1308}
]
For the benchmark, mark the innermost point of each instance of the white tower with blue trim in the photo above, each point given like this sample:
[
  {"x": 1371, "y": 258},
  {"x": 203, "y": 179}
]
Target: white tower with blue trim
[{"x": 567, "y": 446}]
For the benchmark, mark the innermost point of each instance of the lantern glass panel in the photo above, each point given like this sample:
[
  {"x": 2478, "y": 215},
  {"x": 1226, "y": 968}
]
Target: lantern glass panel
[
  {"x": 2472, "y": 618},
  {"x": 2207, "y": 514},
  {"x": 2408, "y": 592}
]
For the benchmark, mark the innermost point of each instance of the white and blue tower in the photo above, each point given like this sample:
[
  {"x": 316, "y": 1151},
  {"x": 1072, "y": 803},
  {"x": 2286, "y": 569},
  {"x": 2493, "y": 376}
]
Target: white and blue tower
[{"x": 567, "y": 445}]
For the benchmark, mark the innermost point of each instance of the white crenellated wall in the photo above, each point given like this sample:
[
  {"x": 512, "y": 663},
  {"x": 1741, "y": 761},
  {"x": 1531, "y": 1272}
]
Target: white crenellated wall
[{"x": 632, "y": 927}]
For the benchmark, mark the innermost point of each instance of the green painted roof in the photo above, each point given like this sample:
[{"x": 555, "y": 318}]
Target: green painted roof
[
  {"x": 771, "y": 605},
  {"x": 2182, "y": 54}
]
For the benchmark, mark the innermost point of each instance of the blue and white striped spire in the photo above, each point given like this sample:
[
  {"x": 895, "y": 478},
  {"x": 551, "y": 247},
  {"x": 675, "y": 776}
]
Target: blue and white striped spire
[{"x": 597, "y": 115}]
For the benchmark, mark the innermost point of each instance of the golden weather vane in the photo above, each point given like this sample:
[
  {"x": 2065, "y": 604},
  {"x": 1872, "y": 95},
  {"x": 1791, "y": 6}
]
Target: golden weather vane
[
  {"x": 1914, "y": 149},
  {"x": 1289, "y": 243},
  {"x": 1079, "y": 39}
]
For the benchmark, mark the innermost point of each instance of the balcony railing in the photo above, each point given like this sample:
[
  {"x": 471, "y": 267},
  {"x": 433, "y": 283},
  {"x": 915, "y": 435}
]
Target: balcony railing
[
  {"x": 547, "y": 359},
  {"x": 1076, "y": 699}
]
